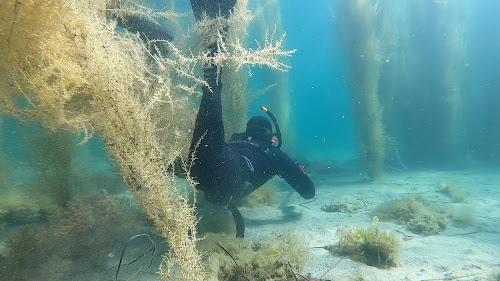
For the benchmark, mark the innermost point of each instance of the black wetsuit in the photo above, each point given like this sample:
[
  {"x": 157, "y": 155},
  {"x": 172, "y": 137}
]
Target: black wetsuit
[{"x": 235, "y": 169}]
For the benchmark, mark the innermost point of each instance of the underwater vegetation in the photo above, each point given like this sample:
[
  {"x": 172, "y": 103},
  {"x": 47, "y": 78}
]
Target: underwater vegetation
[
  {"x": 342, "y": 207},
  {"x": 21, "y": 215},
  {"x": 213, "y": 218},
  {"x": 280, "y": 258},
  {"x": 418, "y": 215},
  {"x": 76, "y": 238},
  {"x": 51, "y": 160},
  {"x": 265, "y": 195},
  {"x": 234, "y": 97},
  {"x": 65, "y": 64},
  {"x": 370, "y": 246},
  {"x": 334, "y": 207},
  {"x": 362, "y": 44},
  {"x": 463, "y": 216},
  {"x": 449, "y": 189},
  {"x": 386, "y": 80}
]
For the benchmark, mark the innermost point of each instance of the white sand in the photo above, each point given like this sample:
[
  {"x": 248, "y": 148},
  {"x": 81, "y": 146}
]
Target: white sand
[
  {"x": 448, "y": 256},
  {"x": 455, "y": 253}
]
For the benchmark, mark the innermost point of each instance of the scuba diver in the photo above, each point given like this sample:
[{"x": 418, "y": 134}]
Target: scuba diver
[{"x": 226, "y": 171}]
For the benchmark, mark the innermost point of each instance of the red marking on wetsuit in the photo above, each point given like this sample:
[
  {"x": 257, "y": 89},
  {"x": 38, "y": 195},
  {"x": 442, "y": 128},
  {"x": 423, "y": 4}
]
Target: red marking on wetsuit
[{"x": 301, "y": 169}]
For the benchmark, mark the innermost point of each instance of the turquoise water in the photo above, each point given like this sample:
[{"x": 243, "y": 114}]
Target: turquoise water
[
  {"x": 413, "y": 86},
  {"x": 437, "y": 84}
]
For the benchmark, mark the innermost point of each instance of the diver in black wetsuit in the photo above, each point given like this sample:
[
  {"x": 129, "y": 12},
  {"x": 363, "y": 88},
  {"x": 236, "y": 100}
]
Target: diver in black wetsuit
[{"x": 232, "y": 170}]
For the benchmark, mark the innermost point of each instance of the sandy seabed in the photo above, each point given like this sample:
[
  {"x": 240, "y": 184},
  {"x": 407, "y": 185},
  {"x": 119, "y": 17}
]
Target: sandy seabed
[{"x": 457, "y": 253}]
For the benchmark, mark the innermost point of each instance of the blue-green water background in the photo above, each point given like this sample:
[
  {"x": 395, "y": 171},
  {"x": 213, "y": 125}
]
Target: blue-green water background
[
  {"x": 322, "y": 119},
  {"x": 322, "y": 104}
]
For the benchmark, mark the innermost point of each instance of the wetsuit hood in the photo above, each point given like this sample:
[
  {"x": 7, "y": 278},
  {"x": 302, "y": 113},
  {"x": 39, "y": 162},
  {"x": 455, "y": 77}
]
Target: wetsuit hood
[{"x": 260, "y": 128}]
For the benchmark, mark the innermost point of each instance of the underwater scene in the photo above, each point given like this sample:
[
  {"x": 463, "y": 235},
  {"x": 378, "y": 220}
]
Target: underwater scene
[{"x": 249, "y": 140}]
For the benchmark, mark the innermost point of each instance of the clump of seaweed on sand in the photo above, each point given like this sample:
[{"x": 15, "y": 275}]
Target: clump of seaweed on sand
[
  {"x": 281, "y": 258},
  {"x": 370, "y": 246},
  {"x": 418, "y": 215}
]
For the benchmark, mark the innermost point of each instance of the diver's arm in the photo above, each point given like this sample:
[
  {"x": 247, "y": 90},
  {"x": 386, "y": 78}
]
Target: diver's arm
[
  {"x": 295, "y": 175},
  {"x": 212, "y": 8},
  {"x": 151, "y": 33},
  {"x": 148, "y": 29}
]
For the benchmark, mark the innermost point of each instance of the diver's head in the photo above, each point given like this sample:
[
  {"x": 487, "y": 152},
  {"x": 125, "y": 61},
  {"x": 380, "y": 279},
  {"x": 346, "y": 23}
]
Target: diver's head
[{"x": 260, "y": 129}]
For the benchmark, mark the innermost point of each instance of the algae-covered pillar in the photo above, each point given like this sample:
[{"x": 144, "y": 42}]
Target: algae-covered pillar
[
  {"x": 357, "y": 23},
  {"x": 64, "y": 64},
  {"x": 50, "y": 157},
  {"x": 234, "y": 99},
  {"x": 279, "y": 93}
]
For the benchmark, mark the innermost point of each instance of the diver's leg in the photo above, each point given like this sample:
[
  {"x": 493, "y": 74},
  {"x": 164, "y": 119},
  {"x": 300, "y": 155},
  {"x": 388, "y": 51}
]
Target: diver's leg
[
  {"x": 208, "y": 135},
  {"x": 207, "y": 151},
  {"x": 238, "y": 220},
  {"x": 209, "y": 128}
]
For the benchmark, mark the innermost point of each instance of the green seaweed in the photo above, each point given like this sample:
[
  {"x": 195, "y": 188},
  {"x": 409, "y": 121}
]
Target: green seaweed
[
  {"x": 264, "y": 196},
  {"x": 358, "y": 36},
  {"x": 451, "y": 190},
  {"x": 463, "y": 216},
  {"x": 230, "y": 258},
  {"x": 21, "y": 215},
  {"x": 418, "y": 215},
  {"x": 334, "y": 207},
  {"x": 342, "y": 206},
  {"x": 213, "y": 218},
  {"x": 81, "y": 235},
  {"x": 370, "y": 246},
  {"x": 64, "y": 64}
]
